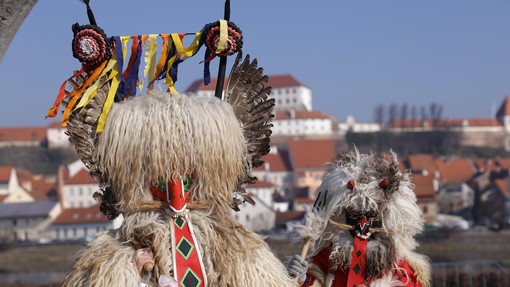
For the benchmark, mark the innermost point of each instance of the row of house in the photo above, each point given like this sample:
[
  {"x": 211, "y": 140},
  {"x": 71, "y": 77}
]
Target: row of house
[
  {"x": 32, "y": 207},
  {"x": 303, "y": 140},
  {"x": 295, "y": 117}
]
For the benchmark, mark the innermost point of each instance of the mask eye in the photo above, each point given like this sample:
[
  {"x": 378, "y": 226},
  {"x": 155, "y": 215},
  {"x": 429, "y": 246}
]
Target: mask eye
[
  {"x": 350, "y": 184},
  {"x": 186, "y": 182},
  {"x": 384, "y": 183}
]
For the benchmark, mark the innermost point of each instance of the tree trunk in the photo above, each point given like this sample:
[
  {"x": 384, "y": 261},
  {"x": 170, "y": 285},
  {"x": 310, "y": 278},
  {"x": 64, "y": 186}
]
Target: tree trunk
[{"x": 12, "y": 15}]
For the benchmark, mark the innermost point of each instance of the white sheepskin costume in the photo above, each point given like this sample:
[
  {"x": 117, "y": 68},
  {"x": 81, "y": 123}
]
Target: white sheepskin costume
[
  {"x": 366, "y": 185},
  {"x": 157, "y": 136}
]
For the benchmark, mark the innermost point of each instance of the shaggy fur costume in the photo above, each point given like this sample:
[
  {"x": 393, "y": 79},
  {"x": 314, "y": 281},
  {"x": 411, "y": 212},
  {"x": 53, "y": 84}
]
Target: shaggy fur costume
[
  {"x": 156, "y": 136},
  {"x": 392, "y": 205}
]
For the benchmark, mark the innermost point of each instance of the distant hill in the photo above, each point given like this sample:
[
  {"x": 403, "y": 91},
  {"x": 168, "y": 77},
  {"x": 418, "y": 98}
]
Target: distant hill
[{"x": 37, "y": 159}]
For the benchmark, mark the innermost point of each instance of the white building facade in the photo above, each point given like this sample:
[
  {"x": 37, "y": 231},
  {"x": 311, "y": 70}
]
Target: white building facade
[
  {"x": 57, "y": 137},
  {"x": 76, "y": 186},
  {"x": 302, "y": 123}
]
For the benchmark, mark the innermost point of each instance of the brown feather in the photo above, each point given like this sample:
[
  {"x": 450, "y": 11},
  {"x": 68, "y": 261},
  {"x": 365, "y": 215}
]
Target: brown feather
[{"x": 248, "y": 95}]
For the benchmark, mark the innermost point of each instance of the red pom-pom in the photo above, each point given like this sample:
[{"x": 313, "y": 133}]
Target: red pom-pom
[
  {"x": 384, "y": 183},
  {"x": 350, "y": 184}
]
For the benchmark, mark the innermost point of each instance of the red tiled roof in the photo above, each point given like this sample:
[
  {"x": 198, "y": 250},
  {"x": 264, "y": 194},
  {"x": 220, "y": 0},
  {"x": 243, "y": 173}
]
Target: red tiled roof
[
  {"x": 80, "y": 216},
  {"x": 274, "y": 162},
  {"x": 282, "y": 217},
  {"x": 5, "y": 173},
  {"x": 22, "y": 134},
  {"x": 503, "y": 162},
  {"x": 455, "y": 170},
  {"x": 23, "y": 174},
  {"x": 81, "y": 177},
  {"x": 502, "y": 185},
  {"x": 311, "y": 154},
  {"x": 41, "y": 189},
  {"x": 304, "y": 200},
  {"x": 504, "y": 109},
  {"x": 419, "y": 123},
  {"x": 481, "y": 164},
  {"x": 2, "y": 197},
  {"x": 418, "y": 162},
  {"x": 283, "y": 81},
  {"x": 260, "y": 184},
  {"x": 424, "y": 187},
  {"x": 483, "y": 122},
  {"x": 55, "y": 125},
  {"x": 285, "y": 115},
  {"x": 275, "y": 81}
]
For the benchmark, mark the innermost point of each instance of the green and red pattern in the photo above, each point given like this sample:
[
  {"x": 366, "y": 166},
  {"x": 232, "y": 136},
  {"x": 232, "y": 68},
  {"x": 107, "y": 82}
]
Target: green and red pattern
[{"x": 188, "y": 268}]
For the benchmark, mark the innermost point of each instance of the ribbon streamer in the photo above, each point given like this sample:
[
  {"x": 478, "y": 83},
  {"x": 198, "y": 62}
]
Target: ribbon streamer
[{"x": 125, "y": 82}]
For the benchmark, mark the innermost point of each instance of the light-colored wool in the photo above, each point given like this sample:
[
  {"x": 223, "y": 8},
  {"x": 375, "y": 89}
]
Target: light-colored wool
[
  {"x": 232, "y": 256},
  {"x": 160, "y": 136},
  {"x": 401, "y": 217},
  {"x": 107, "y": 261}
]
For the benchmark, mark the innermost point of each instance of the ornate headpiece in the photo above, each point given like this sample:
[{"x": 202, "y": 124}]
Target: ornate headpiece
[{"x": 108, "y": 76}]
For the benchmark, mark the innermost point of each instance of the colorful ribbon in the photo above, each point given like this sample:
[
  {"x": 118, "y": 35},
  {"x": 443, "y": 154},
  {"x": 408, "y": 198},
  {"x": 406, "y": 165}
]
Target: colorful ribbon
[{"x": 125, "y": 81}]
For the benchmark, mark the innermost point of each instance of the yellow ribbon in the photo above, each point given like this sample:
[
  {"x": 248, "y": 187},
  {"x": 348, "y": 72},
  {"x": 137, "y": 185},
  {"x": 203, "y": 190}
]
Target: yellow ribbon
[
  {"x": 182, "y": 52},
  {"x": 150, "y": 59},
  {"x": 222, "y": 43},
  {"x": 91, "y": 92},
  {"x": 141, "y": 83},
  {"x": 124, "y": 40},
  {"x": 115, "y": 80}
]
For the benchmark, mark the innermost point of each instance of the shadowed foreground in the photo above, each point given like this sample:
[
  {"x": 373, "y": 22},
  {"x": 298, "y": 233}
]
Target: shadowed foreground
[{"x": 466, "y": 258}]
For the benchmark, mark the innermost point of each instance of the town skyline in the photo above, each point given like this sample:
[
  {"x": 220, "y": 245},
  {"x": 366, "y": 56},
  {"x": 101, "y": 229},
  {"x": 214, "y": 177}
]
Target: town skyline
[{"x": 370, "y": 53}]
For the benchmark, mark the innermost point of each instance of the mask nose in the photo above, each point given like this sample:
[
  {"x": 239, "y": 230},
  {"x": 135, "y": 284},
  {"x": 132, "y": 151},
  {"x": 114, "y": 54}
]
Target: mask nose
[{"x": 174, "y": 192}]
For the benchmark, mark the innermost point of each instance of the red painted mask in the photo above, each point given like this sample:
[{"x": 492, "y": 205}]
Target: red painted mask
[{"x": 175, "y": 192}]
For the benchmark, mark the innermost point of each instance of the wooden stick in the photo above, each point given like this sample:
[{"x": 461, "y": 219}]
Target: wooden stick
[{"x": 304, "y": 252}]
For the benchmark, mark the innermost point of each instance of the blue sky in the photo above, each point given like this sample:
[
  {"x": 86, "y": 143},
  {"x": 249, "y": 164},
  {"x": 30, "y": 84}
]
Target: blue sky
[{"x": 354, "y": 55}]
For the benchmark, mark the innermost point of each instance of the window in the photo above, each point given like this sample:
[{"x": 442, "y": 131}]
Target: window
[{"x": 247, "y": 217}]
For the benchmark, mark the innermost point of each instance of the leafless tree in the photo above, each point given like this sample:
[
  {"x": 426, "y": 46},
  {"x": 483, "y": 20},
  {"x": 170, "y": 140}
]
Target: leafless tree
[
  {"x": 379, "y": 114},
  {"x": 423, "y": 113},
  {"x": 403, "y": 114},
  {"x": 414, "y": 114},
  {"x": 436, "y": 112},
  {"x": 392, "y": 113}
]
